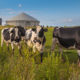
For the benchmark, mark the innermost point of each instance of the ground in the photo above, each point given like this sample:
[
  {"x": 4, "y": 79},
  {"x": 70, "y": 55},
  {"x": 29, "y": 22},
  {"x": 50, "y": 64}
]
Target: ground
[{"x": 15, "y": 67}]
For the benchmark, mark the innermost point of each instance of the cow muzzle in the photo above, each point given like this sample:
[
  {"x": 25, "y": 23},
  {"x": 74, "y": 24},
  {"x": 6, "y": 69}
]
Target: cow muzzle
[{"x": 17, "y": 37}]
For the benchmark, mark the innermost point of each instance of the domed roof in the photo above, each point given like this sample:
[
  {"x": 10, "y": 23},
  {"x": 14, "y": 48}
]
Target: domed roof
[{"x": 22, "y": 16}]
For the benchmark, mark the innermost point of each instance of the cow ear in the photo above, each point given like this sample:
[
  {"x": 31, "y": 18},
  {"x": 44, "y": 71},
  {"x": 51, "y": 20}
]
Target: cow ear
[
  {"x": 33, "y": 29},
  {"x": 56, "y": 27},
  {"x": 45, "y": 30}
]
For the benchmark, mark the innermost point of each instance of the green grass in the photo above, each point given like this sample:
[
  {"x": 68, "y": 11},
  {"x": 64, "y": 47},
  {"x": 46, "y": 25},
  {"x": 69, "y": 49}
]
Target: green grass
[{"x": 29, "y": 68}]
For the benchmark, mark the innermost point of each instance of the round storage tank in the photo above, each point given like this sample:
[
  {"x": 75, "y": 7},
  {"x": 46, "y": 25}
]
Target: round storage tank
[{"x": 0, "y": 21}]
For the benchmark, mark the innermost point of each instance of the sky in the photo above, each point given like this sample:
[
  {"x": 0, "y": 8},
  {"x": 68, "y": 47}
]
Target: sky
[{"x": 48, "y": 12}]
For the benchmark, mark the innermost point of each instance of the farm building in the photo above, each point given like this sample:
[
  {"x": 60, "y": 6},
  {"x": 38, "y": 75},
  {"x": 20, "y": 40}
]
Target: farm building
[
  {"x": 23, "y": 20},
  {"x": 0, "y": 21}
]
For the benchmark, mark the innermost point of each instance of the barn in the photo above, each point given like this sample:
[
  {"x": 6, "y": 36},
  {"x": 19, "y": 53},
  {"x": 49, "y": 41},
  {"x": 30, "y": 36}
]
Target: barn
[{"x": 23, "y": 20}]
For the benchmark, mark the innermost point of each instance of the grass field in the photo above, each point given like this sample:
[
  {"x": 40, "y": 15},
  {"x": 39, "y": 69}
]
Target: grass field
[{"x": 29, "y": 68}]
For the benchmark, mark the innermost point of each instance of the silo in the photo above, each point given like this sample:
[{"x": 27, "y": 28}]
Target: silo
[{"x": 0, "y": 21}]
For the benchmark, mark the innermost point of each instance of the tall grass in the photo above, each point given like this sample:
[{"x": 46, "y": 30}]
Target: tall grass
[
  {"x": 25, "y": 68},
  {"x": 29, "y": 67},
  {"x": 54, "y": 69}
]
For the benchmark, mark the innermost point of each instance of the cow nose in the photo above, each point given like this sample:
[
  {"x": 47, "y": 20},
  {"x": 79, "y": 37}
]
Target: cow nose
[
  {"x": 35, "y": 38},
  {"x": 17, "y": 37}
]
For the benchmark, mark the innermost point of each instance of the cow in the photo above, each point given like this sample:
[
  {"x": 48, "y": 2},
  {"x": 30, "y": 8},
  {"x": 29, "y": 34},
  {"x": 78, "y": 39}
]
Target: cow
[
  {"x": 68, "y": 38},
  {"x": 35, "y": 38},
  {"x": 13, "y": 36}
]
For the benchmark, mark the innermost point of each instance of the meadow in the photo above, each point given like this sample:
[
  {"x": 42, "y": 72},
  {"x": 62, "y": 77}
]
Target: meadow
[{"x": 16, "y": 67}]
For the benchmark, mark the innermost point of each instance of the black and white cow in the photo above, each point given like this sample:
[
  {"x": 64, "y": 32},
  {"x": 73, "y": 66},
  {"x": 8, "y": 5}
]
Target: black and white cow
[
  {"x": 35, "y": 38},
  {"x": 68, "y": 38},
  {"x": 13, "y": 36}
]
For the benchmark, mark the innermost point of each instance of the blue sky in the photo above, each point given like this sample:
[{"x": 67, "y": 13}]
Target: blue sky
[{"x": 48, "y": 12}]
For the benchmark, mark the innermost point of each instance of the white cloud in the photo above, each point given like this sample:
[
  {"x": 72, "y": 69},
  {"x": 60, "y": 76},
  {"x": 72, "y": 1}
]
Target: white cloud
[
  {"x": 20, "y": 5},
  {"x": 67, "y": 20}
]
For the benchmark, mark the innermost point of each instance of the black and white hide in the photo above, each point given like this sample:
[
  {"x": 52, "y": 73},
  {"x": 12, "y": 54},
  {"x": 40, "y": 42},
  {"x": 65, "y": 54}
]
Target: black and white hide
[
  {"x": 68, "y": 38},
  {"x": 13, "y": 36},
  {"x": 35, "y": 38}
]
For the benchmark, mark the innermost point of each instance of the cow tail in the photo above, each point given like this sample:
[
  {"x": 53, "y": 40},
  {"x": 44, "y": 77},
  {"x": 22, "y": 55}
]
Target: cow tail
[{"x": 2, "y": 38}]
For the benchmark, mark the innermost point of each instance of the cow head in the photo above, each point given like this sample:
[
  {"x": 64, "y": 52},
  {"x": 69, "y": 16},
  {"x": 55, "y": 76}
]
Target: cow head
[
  {"x": 55, "y": 32},
  {"x": 22, "y": 30},
  {"x": 40, "y": 31},
  {"x": 15, "y": 34}
]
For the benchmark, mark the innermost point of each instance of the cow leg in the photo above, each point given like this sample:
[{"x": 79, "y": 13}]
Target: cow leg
[
  {"x": 19, "y": 47},
  {"x": 53, "y": 44},
  {"x": 12, "y": 45},
  {"x": 26, "y": 45},
  {"x": 34, "y": 49},
  {"x": 2, "y": 39},
  {"x": 7, "y": 46},
  {"x": 41, "y": 53},
  {"x": 61, "y": 52},
  {"x": 78, "y": 57}
]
